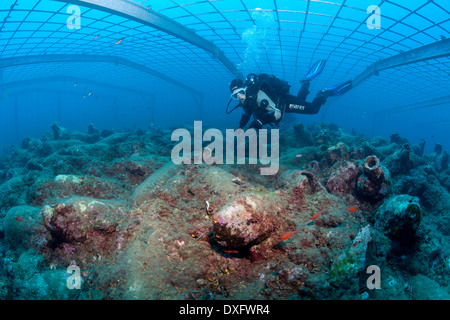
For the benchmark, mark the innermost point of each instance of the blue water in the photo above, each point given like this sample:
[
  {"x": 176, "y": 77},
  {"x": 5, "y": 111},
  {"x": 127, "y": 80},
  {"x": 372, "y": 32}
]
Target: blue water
[
  {"x": 256, "y": 38},
  {"x": 113, "y": 71}
]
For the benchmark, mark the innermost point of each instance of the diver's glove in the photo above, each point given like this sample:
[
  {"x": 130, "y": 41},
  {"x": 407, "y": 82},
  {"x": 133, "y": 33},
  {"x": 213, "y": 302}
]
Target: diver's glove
[{"x": 269, "y": 117}]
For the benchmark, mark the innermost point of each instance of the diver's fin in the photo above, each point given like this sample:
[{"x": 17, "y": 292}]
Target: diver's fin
[
  {"x": 338, "y": 89},
  {"x": 315, "y": 70}
]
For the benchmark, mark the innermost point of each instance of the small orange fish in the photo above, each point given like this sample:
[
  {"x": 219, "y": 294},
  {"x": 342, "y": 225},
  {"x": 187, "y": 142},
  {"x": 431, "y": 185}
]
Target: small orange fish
[
  {"x": 231, "y": 251},
  {"x": 19, "y": 219},
  {"x": 287, "y": 235},
  {"x": 119, "y": 41},
  {"x": 314, "y": 217},
  {"x": 95, "y": 38},
  {"x": 352, "y": 209}
]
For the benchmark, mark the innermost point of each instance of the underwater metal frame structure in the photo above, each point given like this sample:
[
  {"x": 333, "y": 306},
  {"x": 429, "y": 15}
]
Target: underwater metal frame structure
[
  {"x": 180, "y": 36},
  {"x": 94, "y": 58},
  {"x": 430, "y": 51},
  {"x": 90, "y": 58},
  {"x": 145, "y": 15}
]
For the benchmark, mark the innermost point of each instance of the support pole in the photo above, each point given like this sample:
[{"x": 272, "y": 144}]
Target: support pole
[{"x": 434, "y": 50}]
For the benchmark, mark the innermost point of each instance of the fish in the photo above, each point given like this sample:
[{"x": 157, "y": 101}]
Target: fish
[
  {"x": 20, "y": 219},
  {"x": 287, "y": 235},
  {"x": 352, "y": 209},
  {"x": 95, "y": 38},
  {"x": 314, "y": 217},
  {"x": 231, "y": 251},
  {"x": 119, "y": 41},
  {"x": 298, "y": 155},
  {"x": 90, "y": 92}
]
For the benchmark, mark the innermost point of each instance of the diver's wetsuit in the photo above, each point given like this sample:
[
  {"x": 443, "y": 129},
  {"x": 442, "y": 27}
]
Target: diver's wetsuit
[
  {"x": 299, "y": 104},
  {"x": 269, "y": 108}
]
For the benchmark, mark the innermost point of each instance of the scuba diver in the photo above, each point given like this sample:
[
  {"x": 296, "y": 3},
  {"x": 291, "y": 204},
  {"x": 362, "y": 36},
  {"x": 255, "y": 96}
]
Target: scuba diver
[{"x": 267, "y": 98}]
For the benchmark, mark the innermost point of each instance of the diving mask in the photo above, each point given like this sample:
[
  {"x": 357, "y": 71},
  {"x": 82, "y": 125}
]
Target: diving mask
[{"x": 238, "y": 91}]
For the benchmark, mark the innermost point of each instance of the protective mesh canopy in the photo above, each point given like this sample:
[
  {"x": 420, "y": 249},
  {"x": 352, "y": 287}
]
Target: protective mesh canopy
[{"x": 280, "y": 37}]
